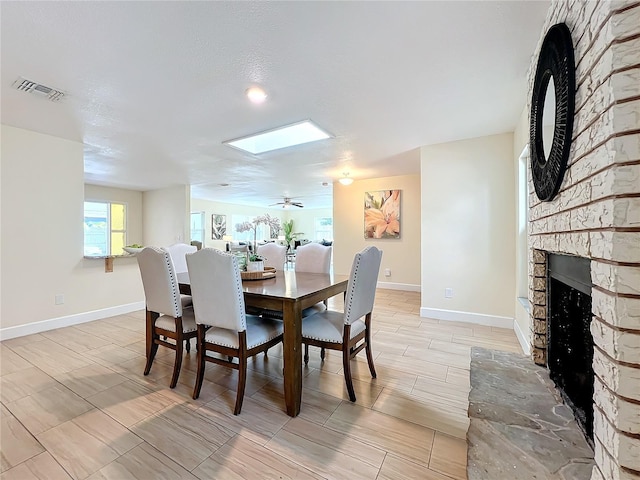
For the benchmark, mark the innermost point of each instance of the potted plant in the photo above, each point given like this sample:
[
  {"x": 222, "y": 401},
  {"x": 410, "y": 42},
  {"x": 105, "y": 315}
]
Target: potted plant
[
  {"x": 289, "y": 234},
  {"x": 255, "y": 263}
]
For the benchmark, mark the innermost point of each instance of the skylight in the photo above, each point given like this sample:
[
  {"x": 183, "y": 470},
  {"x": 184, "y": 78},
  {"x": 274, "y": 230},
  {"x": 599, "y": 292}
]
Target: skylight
[{"x": 281, "y": 137}]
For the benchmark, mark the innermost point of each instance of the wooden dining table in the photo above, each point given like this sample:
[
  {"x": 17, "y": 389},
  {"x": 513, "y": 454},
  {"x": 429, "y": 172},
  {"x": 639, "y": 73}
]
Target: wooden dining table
[{"x": 288, "y": 292}]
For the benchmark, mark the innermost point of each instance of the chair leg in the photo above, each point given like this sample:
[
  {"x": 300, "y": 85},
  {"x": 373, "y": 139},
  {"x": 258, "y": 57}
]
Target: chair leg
[
  {"x": 242, "y": 380},
  {"x": 322, "y": 353},
  {"x": 372, "y": 369},
  {"x": 177, "y": 364},
  {"x": 201, "y": 353},
  {"x": 151, "y": 346},
  {"x": 151, "y": 354},
  {"x": 306, "y": 354},
  {"x": 187, "y": 345},
  {"x": 346, "y": 366},
  {"x": 367, "y": 338}
]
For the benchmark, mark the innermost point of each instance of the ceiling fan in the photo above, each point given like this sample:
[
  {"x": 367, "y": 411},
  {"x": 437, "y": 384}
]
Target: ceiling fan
[{"x": 288, "y": 203}]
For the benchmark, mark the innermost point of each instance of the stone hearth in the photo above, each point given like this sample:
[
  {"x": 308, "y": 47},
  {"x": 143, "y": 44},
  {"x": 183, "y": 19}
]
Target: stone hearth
[{"x": 520, "y": 429}]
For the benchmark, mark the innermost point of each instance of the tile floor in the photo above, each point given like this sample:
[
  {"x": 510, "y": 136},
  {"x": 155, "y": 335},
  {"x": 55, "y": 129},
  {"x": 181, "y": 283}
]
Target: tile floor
[{"x": 76, "y": 405}]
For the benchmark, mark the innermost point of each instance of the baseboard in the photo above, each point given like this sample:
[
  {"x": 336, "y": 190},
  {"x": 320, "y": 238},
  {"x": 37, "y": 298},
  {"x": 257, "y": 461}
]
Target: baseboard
[
  {"x": 60, "y": 322},
  {"x": 469, "y": 317},
  {"x": 522, "y": 338},
  {"x": 407, "y": 287}
]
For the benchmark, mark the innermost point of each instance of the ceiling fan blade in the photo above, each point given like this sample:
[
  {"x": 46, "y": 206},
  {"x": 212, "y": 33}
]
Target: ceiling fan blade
[{"x": 287, "y": 203}]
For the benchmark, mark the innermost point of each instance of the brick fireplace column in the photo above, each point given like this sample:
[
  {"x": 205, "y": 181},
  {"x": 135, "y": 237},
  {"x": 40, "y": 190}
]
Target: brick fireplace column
[
  {"x": 538, "y": 306},
  {"x": 595, "y": 216}
]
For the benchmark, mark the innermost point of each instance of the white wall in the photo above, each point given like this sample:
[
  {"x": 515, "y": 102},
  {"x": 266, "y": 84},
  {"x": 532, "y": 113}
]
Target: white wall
[
  {"x": 468, "y": 224},
  {"x": 42, "y": 196},
  {"x": 166, "y": 216},
  {"x": 401, "y": 255}
]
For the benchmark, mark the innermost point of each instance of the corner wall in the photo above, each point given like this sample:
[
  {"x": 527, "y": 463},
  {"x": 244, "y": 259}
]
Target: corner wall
[
  {"x": 166, "y": 214},
  {"x": 468, "y": 220},
  {"x": 42, "y": 241}
]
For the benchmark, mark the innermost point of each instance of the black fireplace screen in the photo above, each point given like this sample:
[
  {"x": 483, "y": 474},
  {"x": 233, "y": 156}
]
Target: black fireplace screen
[{"x": 569, "y": 341}]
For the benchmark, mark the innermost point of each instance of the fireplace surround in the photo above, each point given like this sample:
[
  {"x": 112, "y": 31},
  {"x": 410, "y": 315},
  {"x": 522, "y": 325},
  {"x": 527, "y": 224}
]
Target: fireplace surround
[{"x": 596, "y": 216}]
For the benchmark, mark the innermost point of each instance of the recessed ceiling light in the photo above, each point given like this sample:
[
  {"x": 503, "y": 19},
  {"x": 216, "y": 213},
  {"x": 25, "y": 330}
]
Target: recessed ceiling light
[
  {"x": 281, "y": 137},
  {"x": 256, "y": 94}
]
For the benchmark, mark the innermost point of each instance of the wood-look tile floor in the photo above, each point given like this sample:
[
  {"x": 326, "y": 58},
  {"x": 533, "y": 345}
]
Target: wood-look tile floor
[{"x": 76, "y": 405}]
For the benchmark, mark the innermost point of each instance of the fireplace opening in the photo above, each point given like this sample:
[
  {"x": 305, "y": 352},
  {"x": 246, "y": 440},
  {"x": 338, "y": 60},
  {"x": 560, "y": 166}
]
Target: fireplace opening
[{"x": 569, "y": 339}]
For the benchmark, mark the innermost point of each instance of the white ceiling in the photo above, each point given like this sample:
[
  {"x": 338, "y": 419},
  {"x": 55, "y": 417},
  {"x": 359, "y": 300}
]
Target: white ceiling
[{"x": 154, "y": 88}]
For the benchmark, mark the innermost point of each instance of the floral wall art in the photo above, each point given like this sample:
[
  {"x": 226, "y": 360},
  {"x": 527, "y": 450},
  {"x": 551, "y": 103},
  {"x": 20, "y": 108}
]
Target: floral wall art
[
  {"x": 218, "y": 226},
  {"x": 382, "y": 214}
]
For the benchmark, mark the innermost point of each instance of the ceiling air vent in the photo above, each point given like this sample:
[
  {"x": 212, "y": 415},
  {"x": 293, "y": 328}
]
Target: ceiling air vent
[{"x": 43, "y": 91}]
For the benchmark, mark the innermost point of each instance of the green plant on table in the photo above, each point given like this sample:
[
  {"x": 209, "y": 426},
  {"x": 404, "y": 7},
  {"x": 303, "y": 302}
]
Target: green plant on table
[{"x": 289, "y": 234}]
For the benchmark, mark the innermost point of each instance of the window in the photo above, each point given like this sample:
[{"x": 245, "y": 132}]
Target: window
[
  {"x": 105, "y": 228},
  {"x": 324, "y": 228},
  {"x": 197, "y": 226}
]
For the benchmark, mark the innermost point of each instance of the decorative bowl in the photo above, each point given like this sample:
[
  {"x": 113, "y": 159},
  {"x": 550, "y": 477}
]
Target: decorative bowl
[{"x": 132, "y": 250}]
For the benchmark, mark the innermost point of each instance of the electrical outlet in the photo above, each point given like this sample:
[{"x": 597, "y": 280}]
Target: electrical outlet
[
  {"x": 448, "y": 293},
  {"x": 387, "y": 272},
  {"x": 59, "y": 299}
]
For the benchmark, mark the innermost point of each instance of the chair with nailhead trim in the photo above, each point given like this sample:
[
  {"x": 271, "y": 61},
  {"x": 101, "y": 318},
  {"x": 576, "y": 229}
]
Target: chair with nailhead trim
[
  {"x": 274, "y": 255},
  {"x": 347, "y": 331},
  {"x": 165, "y": 314},
  {"x": 223, "y": 325},
  {"x": 178, "y": 252}
]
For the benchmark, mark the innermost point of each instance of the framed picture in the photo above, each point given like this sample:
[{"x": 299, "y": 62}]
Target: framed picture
[
  {"x": 218, "y": 226},
  {"x": 382, "y": 214}
]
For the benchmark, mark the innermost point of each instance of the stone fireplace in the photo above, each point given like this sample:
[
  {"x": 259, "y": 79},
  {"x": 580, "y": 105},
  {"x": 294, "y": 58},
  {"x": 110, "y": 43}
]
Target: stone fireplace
[{"x": 596, "y": 217}]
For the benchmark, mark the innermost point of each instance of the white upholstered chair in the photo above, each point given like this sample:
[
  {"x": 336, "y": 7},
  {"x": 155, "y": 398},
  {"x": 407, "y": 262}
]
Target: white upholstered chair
[
  {"x": 274, "y": 255},
  {"x": 178, "y": 251},
  {"x": 165, "y": 314},
  {"x": 348, "y": 331},
  {"x": 223, "y": 325},
  {"x": 314, "y": 258}
]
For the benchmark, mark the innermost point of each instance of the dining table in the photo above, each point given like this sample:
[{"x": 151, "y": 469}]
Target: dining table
[{"x": 289, "y": 292}]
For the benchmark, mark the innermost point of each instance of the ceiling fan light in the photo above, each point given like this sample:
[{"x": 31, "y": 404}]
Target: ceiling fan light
[{"x": 346, "y": 180}]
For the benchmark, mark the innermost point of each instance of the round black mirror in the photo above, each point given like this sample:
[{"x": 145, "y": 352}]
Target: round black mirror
[
  {"x": 555, "y": 73},
  {"x": 549, "y": 118}
]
